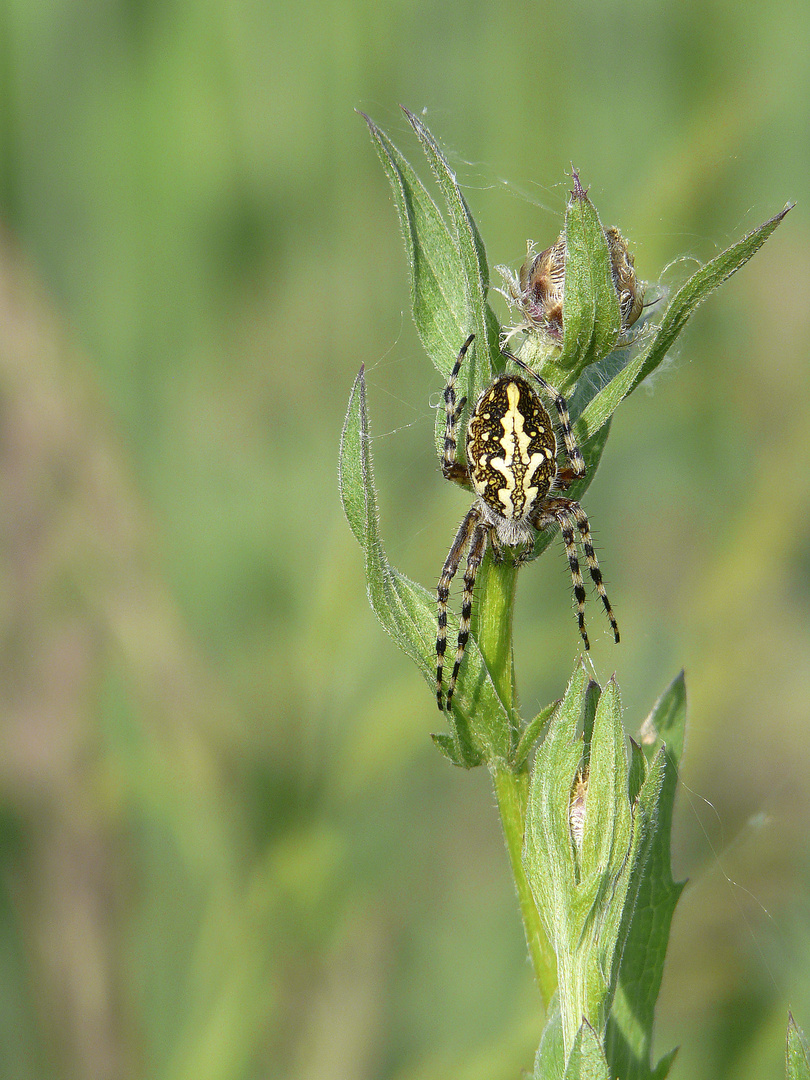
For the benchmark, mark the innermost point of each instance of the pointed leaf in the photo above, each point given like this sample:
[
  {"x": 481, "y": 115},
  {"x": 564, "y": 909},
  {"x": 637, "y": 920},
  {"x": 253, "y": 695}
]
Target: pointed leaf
[
  {"x": 661, "y": 1070},
  {"x": 531, "y": 733},
  {"x": 586, "y": 1060},
  {"x": 567, "y": 905},
  {"x": 628, "y": 1040},
  {"x": 470, "y": 247},
  {"x": 549, "y": 1063},
  {"x": 617, "y": 380},
  {"x": 666, "y": 724},
  {"x": 447, "y": 744},
  {"x": 606, "y": 835},
  {"x": 798, "y": 1064},
  {"x": 603, "y": 404},
  {"x": 406, "y": 610},
  {"x": 547, "y": 852},
  {"x": 698, "y": 287},
  {"x": 637, "y": 773},
  {"x": 438, "y": 294},
  {"x": 592, "y": 319}
]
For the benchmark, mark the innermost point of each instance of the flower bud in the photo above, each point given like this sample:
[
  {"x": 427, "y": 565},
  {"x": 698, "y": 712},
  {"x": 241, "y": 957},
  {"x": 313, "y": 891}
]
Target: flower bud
[{"x": 538, "y": 290}]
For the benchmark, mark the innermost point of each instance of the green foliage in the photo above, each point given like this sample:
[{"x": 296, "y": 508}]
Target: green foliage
[
  {"x": 592, "y": 886},
  {"x": 797, "y": 1061},
  {"x": 449, "y": 285},
  {"x": 215, "y": 770},
  {"x": 592, "y": 320},
  {"x": 406, "y": 610},
  {"x": 654, "y": 896},
  {"x": 594, "y": 878}
]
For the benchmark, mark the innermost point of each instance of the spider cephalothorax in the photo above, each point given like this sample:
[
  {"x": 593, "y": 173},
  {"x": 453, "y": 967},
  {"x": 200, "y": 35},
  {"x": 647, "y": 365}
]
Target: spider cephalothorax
[{"x": 511, "y": 465}]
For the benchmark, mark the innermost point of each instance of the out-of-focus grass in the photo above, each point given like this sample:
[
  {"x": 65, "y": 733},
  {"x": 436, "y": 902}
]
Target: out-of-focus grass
[{"x": 215, "y": 861}]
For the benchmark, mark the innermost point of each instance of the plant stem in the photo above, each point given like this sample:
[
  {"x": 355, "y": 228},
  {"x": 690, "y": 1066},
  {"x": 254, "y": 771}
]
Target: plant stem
[{"x": 492, "y": 627}]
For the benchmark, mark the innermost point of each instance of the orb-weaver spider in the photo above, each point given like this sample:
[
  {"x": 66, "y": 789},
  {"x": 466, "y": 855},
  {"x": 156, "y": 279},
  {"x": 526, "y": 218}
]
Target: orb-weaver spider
[{"x": 511, "y": 465}]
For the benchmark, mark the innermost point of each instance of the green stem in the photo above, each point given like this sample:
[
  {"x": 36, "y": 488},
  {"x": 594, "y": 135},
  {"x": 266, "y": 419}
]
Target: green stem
[
  {"x": 512, "y": 792},
  {"x": 493, "y": 631}
]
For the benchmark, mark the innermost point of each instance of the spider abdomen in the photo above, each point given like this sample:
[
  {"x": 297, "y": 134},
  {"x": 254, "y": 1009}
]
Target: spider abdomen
[{"x": 511, "y": 448}]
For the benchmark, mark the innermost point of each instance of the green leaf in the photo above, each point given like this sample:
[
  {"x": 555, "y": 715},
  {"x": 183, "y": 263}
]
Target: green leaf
[
  {"x": 438, "y": 295},
  {"x": 606, "y": 835},
  {"x": 628, "y": 1040},
  {"x": 619, "y": 380},
  {"x": 798, "y": 1065},
  {"x": 586, "y": 1060},
  {"x": 470, "y": 247},
  {"x": 481, "y": 725},
  {"x": 605, "y": 896},
  {"x": 448, "y": 269},
  {"x": 600, "y": 408},
  {"x": 661, "y": 1070},
  {"x": 549, "y": 1063},
  {"x": 447, "y": 744},
  {"x": 531, "y": 733},
  {"x": 592, "y": 321},
  {"x": 575, "y": 893},
  {"x": 547, "y": 852},
  {"x": 638, "y": 771},
  {"x": 698, "y": 287}
]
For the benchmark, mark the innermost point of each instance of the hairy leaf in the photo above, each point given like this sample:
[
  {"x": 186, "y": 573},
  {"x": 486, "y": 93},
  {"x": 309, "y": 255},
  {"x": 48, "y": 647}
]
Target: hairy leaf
[
  {"x": 407, "y": 611},
  {"x": 474, "y": 269},
  {"x": 586, "y": 1060},
  {"x": 437, "y": 286},
  {"x": 592, "y": 318},
  {"x": 798, "y": 1064},
  {"x": 635, "y": 364},
  {"x": 629, "y": 1034},
  {"x": 698, "y": 287}
]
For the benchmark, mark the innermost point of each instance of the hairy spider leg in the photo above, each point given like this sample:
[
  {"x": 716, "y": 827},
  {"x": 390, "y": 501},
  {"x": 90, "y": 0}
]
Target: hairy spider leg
[
  {"x": 565, "y": 512},
  {"x": 478, "y": 545},
  {"x": 576, "y": 575},
  {"x": 465, "y": 532},
  {"x": 450, "y": 467},
  {"x": 581, "y": 519}
]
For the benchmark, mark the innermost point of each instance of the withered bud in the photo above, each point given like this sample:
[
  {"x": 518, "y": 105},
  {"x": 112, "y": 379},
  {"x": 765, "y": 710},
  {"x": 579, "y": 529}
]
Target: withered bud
[
  {"x": 628, "y": 288},
  {"x": 576, "y": 807},
  {"x": 538, "y": 291},
  {"x": 542, "y": 285}
]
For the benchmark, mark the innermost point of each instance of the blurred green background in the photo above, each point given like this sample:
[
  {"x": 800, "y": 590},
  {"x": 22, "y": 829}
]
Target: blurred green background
[{"x": 228, "y": 847}]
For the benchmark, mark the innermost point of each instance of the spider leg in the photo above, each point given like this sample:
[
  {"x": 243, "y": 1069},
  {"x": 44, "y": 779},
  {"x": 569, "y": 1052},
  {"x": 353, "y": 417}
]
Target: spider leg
[
  {"x": 554, "y": 514},
  {"x": 524, "y": 554},
  {"x": 465, "y": 532},
  {"x": 478, "y": 544},
  {"x": 572, "y": 451},
  {"x": 450, "y": 467},
  {"x": 581, "y": 519},
  {"x": 565, "y": 512}
]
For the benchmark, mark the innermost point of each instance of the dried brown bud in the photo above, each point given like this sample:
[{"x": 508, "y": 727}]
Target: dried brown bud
[
  {"x": 576, "y": 808},
  {"x": 628, "y": 288},
  {"x": 538, "y": 291},
  {"x": 542, "y": 284}
]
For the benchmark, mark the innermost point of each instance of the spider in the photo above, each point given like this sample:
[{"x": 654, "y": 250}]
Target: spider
[{"x": 511, "y": 466}]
